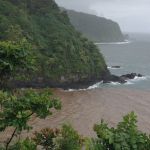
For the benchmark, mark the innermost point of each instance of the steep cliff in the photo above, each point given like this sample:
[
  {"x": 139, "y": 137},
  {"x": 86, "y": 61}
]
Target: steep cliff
[{"x": 96, "y": 28}]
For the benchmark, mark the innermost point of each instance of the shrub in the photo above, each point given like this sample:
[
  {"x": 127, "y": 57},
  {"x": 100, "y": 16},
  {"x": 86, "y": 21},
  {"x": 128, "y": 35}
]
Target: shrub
[
  {"x": 65, "y": 139},
  {"x": 69, "y": 139},
  {"x": 46, "y": 138},
  {"x": 26, "y": 144},
  {"x": 125, "y": 137}
]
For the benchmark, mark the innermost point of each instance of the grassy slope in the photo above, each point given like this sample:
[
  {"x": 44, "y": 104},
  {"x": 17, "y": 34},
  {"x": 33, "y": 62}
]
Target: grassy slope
[{"x": 64, "y": 55}]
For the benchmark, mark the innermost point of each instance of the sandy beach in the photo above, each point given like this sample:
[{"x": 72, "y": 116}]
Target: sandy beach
[{"x": 83, "y": 109}]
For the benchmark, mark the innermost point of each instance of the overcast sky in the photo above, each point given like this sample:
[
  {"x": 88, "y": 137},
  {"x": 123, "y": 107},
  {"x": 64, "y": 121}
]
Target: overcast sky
[{"x": 132, "y": 15}]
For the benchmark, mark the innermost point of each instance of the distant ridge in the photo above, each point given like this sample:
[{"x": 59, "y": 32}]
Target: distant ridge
[{"x": 97, "y": 29}]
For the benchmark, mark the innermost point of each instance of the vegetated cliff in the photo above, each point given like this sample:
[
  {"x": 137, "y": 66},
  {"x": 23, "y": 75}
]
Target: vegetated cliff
[
  {"x": 96, "y": 28},
  {"x": 63, "y": 55}
]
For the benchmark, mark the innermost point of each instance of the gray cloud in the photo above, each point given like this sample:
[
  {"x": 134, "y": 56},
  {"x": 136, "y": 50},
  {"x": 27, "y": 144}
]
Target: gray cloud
[{"x": 132, "y": 15}]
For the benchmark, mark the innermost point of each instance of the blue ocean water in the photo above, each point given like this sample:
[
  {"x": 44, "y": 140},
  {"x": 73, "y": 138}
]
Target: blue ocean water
[{"x": 133, "y": 56}]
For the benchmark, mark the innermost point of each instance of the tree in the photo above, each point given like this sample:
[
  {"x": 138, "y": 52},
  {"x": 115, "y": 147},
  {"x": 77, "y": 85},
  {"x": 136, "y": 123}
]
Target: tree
[{"x": 18, "y": 108}]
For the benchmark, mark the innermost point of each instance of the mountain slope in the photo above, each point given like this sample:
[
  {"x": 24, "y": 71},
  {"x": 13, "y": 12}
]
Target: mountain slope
[
  {"x": 64, "y": 55},
  {"x": 96, "y": 28}
]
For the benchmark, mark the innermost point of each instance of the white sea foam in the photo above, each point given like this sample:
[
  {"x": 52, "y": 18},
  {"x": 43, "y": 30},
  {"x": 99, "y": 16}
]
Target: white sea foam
[
  {"x": 97, "y": 85},
  {"x": 114, "y": 83},
  {"x": 73, "y": 90},
  {"x": 139, "y": 78},
  {"x": 114, "y": 43},
  {"x": 129, "y": 83},
  {"x": 114, "y": 68}
]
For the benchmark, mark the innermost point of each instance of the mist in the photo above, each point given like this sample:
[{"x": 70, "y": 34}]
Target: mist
[{"x": 132, "y": 15}]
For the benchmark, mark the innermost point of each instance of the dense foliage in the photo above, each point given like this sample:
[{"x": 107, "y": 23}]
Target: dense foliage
[
  {"x": 64, "y": 55},
  {"x": 17, "y": 108},
  {"x": 96, "y": 28},
  {"x": 125, "y": 137},
  {"x": 15, "y": 58}
]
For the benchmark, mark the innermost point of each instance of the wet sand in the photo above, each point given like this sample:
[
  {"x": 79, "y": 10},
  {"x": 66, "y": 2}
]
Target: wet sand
[{"x": 83, "y": 109}]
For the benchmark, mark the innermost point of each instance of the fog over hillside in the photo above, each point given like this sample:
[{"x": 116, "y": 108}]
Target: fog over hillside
[{"x": 132, "y": 15}]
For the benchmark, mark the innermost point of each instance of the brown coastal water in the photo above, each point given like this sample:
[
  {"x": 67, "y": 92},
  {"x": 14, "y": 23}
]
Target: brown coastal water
[{"x": 83, "y": 109}]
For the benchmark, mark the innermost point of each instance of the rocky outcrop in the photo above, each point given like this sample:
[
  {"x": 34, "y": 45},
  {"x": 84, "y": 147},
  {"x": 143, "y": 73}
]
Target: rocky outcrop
[
  {"x": 121, "y": 79},
  {"x": 114, "y": 78},
  {"x": 78, "y": 84},
  {"x": 75, "y": 83},
  {"x": 130, "y": 76},
  {"x": 116, "y": 67}
]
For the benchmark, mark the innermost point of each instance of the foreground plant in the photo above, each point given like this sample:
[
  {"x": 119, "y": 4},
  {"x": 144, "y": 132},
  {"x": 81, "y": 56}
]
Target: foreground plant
[
  {"x": 64, "y": 139},
  {"x": 26, "y": 144},
  {"x": 18, "y": 108},
  {"x": 46, "y": 137},
  {"x": 125, "y": 136}
]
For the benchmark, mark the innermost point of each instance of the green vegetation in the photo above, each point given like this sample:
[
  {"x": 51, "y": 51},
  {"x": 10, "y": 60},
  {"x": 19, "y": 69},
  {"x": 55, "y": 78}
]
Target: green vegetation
[
  {"x": 96, "y": 28},
  {"x": 125, "y": 137},
  {"x": 15, "y": 59},
  {"x": 17, "y": 108},
  {"x": 64, "y": 139},
  {"x": 62, "y": 54}
]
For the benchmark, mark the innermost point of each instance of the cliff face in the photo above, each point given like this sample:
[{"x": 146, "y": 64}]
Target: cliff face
[
  {"x": 64, "y": 55},
  {"x": 95, "y": 28}
]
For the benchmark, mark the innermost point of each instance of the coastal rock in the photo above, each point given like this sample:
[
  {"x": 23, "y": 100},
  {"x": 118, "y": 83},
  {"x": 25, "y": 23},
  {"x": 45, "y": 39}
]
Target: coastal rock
[
  {"x": 130, "y": 76},
  {"x": 121, "y": 79},
  {"x": 140, "y": 75},
  {"x": 114, "y": 78},
  {"x": 115, "y": 67}
]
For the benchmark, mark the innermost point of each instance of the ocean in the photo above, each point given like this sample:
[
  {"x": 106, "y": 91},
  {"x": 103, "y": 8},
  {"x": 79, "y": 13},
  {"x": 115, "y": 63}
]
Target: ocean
[{"x": 132, "y": 57}]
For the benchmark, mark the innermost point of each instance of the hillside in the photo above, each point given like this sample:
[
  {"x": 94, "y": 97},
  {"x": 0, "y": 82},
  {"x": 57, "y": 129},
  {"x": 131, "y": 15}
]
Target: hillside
[
  {"x": 63, "y": 55},
  {"x": 96, "y": 28}
]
